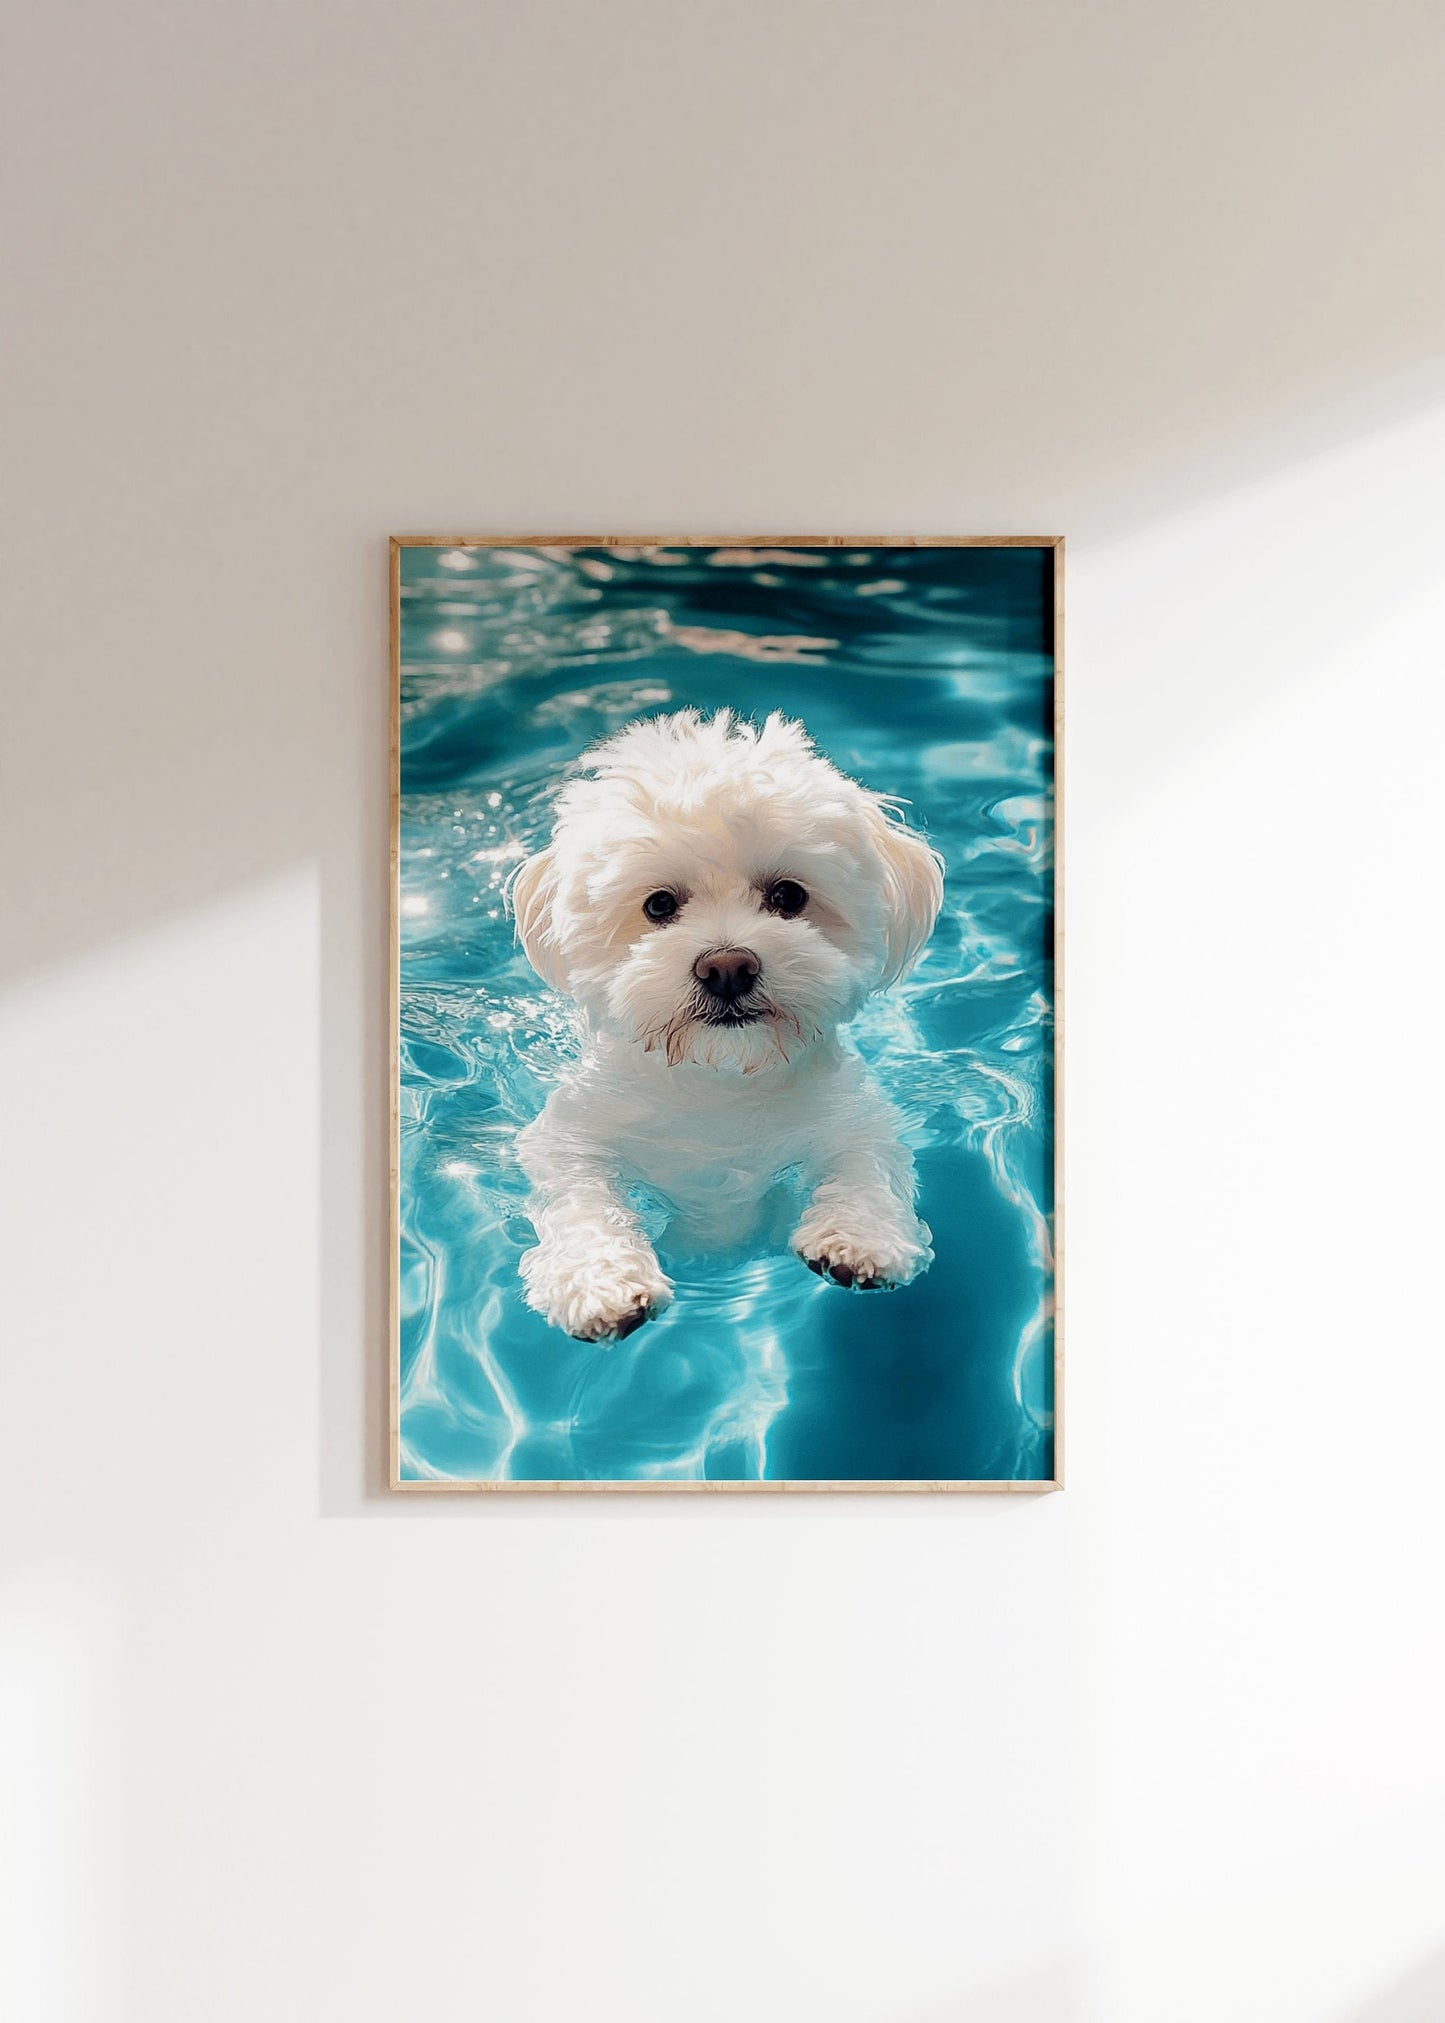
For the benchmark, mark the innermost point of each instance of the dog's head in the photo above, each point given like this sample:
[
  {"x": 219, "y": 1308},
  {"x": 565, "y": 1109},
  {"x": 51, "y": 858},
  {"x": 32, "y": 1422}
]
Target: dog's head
[{"x": 721, "y": 892}]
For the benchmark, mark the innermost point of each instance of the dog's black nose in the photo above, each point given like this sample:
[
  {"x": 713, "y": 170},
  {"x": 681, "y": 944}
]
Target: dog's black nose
[{"x": 727, "y": 973}]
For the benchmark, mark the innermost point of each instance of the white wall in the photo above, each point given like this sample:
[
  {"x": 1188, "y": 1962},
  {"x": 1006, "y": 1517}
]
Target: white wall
[{"x": 1162, "y": 276}]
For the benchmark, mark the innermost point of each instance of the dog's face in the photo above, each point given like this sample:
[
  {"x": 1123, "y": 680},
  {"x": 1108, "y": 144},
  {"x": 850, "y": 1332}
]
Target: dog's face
[{"x": 722, "y": 894}]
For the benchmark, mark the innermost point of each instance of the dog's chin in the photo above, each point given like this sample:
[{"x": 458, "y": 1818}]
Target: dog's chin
[{"x": 741, "y": 1039}]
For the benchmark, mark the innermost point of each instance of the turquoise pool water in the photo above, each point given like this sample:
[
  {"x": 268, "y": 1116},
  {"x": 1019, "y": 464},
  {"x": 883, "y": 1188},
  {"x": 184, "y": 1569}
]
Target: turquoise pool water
[{"x": 924, "y": 673}]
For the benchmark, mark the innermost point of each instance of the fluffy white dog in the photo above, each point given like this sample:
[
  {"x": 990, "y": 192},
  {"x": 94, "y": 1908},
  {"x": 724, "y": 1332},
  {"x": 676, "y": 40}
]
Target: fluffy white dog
[{"x": 718, "y": 900}]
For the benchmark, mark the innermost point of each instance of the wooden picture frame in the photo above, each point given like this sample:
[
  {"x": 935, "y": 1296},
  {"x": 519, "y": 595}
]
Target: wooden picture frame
[{"x": 671, "y": 1487}]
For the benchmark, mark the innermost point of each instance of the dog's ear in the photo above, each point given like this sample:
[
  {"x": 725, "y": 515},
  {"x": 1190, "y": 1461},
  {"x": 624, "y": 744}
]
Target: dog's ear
[
  {"x": 533, "y": 891},
  {"x": 913, "y": 890}
]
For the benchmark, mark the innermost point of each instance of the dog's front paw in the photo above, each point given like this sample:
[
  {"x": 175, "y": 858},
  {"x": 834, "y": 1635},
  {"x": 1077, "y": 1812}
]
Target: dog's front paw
[
  {"x": 879, "y": 1261},
  {"x": 596, "y": 1299}
]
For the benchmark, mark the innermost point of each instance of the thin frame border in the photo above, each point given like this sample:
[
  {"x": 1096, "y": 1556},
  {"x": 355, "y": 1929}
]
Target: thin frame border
[{"x": 428, "y": 1486}]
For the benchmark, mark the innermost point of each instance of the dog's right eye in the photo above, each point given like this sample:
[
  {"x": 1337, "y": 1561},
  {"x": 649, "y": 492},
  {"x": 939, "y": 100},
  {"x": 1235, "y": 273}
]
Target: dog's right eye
[{"x": 660, "y": 905}]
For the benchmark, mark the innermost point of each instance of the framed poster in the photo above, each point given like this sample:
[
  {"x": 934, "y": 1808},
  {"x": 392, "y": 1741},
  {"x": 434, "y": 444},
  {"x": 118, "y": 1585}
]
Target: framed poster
[{"x": 724, "y": 998}]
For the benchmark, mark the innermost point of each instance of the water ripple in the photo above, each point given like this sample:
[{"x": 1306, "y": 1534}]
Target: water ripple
[{"x": 924, "y": 672}]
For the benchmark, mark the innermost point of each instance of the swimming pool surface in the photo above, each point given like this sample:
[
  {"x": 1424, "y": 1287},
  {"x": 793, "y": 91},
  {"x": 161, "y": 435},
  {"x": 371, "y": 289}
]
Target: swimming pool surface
[{"x": 926, "y": 674}]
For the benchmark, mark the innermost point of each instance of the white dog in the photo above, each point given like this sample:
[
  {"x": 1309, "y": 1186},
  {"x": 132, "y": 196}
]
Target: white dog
[{"x": 717, "y": 899}]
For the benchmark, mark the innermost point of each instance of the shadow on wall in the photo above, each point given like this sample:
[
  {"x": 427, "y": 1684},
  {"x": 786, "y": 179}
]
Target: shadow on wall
[
  {"x": 1063, "y": 268},
  {"x": 1418, "y": 1998}
]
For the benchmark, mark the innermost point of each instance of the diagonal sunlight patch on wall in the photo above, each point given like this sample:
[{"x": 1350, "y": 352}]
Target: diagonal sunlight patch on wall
[
  {"x": 160, "y": 1224},
  {"x": 1255, "y": 717}
]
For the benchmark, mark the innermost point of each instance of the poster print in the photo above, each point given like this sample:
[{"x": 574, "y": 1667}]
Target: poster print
[{"x": 723, "y": 1014}]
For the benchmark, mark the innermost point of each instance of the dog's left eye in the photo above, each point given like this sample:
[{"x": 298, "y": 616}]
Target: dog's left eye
[
  {"x": 785, "y": 896},
  {"x": 660, "y": 905}
]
